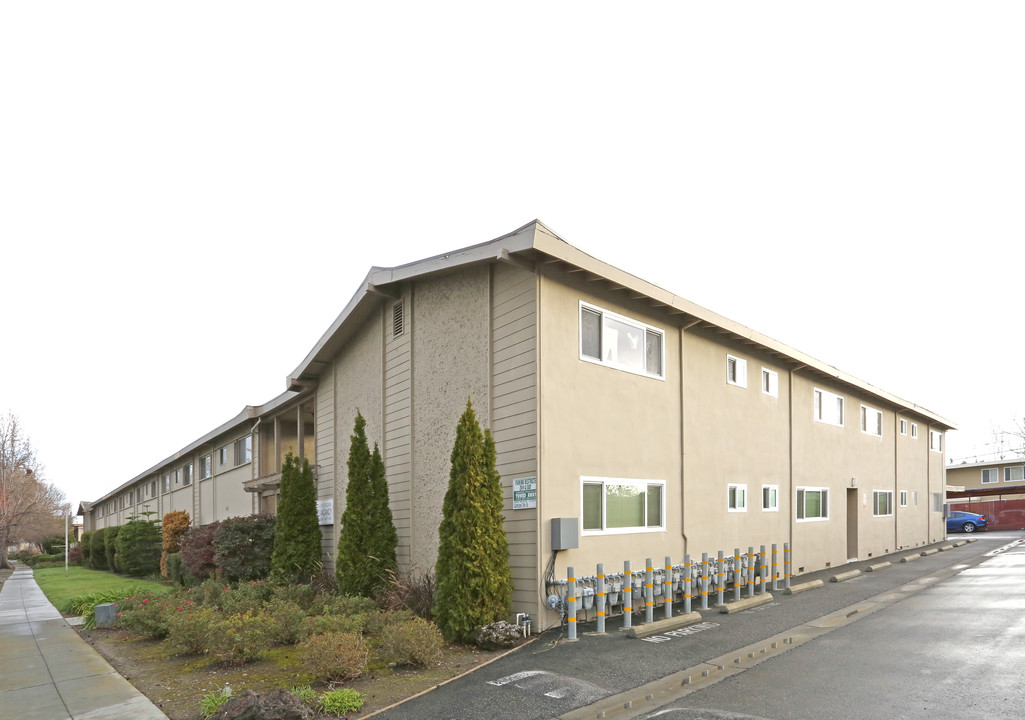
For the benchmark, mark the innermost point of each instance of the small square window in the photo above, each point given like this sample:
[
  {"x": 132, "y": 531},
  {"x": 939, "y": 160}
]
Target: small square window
[
  {"x": 903, "y": 426},
  {"x": 770, "y": 382},
  {"x": 989, "y": 476},
  {"x": 914, "y": 431},
  {"x": 903, "y": 498},
  {"x": 737, "y": 498},
  {"x": 770, "y": 498},
  {"x": 882, "y": 503},
  {"x": 1014, "y": 474},
  {"x": 736, "y": 371},
  {"x": 871, "y": 421},
  {"x": 935, "y": 441}
]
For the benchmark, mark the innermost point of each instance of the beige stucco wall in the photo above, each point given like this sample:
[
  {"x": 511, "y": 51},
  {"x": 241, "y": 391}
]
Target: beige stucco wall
[
  {"x": 450, "y": 364},
  {"x": 603, "y": 422}
]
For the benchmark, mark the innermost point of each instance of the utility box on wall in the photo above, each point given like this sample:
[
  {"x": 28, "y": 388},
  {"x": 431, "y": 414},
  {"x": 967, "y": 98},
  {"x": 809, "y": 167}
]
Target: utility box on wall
[{"x": 565, "y": 535}]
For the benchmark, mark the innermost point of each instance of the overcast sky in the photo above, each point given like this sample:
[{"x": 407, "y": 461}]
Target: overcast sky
[{"x": 190, "y": 192}]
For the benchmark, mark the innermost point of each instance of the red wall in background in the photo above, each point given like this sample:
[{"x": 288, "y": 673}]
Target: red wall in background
[{"x": 1000, "y": 514}]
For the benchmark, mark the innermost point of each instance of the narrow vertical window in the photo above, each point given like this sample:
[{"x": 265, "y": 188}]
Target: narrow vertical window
[
  {"x": 736, "y": 371},
  {"x": 770, "y": 382}
]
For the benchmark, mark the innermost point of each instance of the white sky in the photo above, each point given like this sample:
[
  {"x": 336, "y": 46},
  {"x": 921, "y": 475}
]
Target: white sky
[{"x": 190, "y": 192}]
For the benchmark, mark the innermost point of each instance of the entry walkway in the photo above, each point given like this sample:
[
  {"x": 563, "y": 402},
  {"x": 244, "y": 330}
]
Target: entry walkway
[{"x": 48, "y": 672}]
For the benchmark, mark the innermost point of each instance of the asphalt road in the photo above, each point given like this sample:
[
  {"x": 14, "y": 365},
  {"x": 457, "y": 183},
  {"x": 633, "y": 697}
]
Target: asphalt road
[
  {"x": 954, "y": 649},
  {"x": 710, "y": 665}
]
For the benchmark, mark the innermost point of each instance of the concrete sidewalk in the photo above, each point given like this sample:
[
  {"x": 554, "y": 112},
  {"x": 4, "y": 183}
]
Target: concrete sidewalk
[{"x": 48, "y": 672}]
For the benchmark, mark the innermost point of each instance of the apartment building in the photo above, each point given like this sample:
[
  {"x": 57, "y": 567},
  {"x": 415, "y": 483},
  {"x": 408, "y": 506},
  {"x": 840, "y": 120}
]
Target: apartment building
[{"x": 653, "y": 426}]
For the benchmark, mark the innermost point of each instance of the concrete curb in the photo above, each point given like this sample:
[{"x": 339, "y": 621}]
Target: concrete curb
[
  {"x": 840, "y": 577},
  {"x": 801, "y": 587},
  {"x": 745, "y": 603},
  {"x": 660, "y": 626},
  {"x": 877, "y": 566}
]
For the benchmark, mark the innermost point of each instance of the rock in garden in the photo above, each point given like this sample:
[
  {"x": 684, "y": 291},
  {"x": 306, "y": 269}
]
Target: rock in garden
[
  {"x": 277, "y": 705},
  {"x": 499, "y": 634}
]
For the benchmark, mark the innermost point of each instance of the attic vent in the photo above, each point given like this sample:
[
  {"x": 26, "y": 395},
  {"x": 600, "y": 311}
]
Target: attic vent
[{"x": 396, "y": 319}]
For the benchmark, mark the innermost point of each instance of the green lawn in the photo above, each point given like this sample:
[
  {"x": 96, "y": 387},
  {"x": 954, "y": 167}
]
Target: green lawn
[{"x": 59, "y": 589}]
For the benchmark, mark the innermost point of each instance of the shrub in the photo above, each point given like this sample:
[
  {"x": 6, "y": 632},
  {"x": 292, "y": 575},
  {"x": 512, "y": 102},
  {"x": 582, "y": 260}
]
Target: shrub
[
  {"x": 246, "y": 596},
  {"x": 197, "y": 549},
  {"x": 340, "y": 702},
  {"x": 110, "y": 547},
  {"x": 367, "y": 540},
  {"x": 474, "y": 582},
  {"x": 326, "y": 624},
  {"x": 301, "y": 594},
  {"x": 337, "y": 656},
  {"x": 176, "y": 570},
  {"x": 411, "y": 642},
  {"x": 53, "y": 545},
  {"x": 174, "y": 525},
  {"x": 98, "y": 550},
  {"x": 211, "y": 702},
  {"x": 138, "y": 548},
  {"x": 297, "y": 535},
  {"x": 243, "y": 547},
  {"x": 85, "y": 603},
  {"x": 238, "y": 638},
  {"x": 413, "y": 592},
  {"x": 189, "y": 628},
  {"x": 42, "y": 558},
  {"x": 85, "y": 543},
  {"x": 285, "y": 621},
  {"x": 146, "y": 615}
]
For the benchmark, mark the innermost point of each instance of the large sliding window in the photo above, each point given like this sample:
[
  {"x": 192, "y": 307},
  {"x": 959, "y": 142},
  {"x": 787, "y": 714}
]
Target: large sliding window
[
  {"x": 812, "y": 503},
  {"x": 615, "y": 505},
  {"x": 621, "y": 342}
]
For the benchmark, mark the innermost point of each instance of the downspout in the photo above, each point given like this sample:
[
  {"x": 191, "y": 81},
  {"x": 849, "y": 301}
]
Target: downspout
[
  {"x": 896, "y": 481},
  {"x": 683, "y": 445},
  {"x": 254, "y": 467}
]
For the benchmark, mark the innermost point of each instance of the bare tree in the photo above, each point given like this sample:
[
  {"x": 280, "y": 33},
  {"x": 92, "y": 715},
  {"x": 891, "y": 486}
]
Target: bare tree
[{"x": 31, "y": 509}]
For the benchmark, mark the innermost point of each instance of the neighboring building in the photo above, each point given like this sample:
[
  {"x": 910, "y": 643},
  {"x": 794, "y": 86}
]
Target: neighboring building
[
  {"x": 992, "y": 480},
  {"x": 662, "y": 428}
]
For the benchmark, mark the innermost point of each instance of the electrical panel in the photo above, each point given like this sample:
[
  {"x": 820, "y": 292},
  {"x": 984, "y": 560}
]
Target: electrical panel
[{"x": 565, "y": 535}]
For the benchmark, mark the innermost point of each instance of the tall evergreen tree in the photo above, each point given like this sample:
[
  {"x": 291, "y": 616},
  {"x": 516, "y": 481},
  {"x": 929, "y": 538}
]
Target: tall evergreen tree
[
  {"x": 474, "y": 583},
  {"x": 297, "y": 536},
  {"x": 368, "y": 539}
]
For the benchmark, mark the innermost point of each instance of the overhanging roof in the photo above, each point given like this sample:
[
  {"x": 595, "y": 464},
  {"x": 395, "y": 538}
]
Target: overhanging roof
[{"x": 534, "y": 242}]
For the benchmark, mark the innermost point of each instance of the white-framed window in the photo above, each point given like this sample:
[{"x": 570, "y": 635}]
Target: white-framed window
[
  {"x": 1014, "y": 474},
  {"x": 812, "y": 503},
  {"x": 914, "y": 431},
  {"x": 243, "y": 450},
  {"x": 736, "y": 497},
  {"x": 165, "y": 482},
  {"x": 153, "y": 488},
  {"x": 903, "y": 498},
  {"x": 178, "y": 476},
  {"x": 903, "y": 426},
  {"x": 205, "y": 467},
  {"x": 829, "y": 407},
  {"x": 736, "y": 371},
  {"x": 914, "y": 498},
  {"x": 871, "y": 421},
  {"x": 621, "y": 342},
  {"x": 770, "y": 498},
  {"x": 989, "y": 476},
  {"x": 187, "y": 474},
  {"x": 936, "y": 441},
  {"x": 882, "y": 503},
  {"x": 770, "y": 382},
  {"x": 222, "y": 456},
  {"x": 617, "y": 505}
]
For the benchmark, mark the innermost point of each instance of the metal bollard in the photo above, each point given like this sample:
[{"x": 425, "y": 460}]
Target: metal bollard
[
  {"x": 720, "y": 577},
  {"x": 667, "y": 588},
  {"x": 649, "y": 591},
  {"x": 600, "y": 591},
  {"x": 765, "y": 568},
  {"x": 571, "y": 603},
  {"x": 686, "y": 583},
  {"x": 737, "y": 577},
  {"x": 786, "y": 565},
  {"x": 775, "y": 570},
  {"x": 704, "y": 581},
  {"x": 750, "y": 571},
  {"x": 628, "y": 594}
]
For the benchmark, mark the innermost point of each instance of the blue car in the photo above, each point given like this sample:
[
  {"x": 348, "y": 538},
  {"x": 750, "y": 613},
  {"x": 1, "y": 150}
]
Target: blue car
[{"x": 960, "y": 521}]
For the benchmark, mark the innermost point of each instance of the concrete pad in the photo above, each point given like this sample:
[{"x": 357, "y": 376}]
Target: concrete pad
[
  {"x": 745, "y": 603},
  {"x": 877, "y": 566},
  {"x": 106, "y": 696},
  {"x": 840, "y": 577},
  {"x": 660, "y": 626},
  {"x": 801, "y": 587},
  {"x": 37, "y": 702}
]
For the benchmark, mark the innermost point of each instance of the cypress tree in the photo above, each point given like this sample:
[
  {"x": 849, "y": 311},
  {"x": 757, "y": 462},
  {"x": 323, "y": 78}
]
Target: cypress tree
[
  {"x": 297, "y": 537},
  {"x": 368, "y": 539},
  {"x": 474, "y": 583}
]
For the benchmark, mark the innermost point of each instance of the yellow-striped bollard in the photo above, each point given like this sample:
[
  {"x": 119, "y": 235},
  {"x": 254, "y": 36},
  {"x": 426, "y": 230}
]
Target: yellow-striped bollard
[
  {"x": 571, "y": 603},
  {"x": 601, "y": 598}
]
